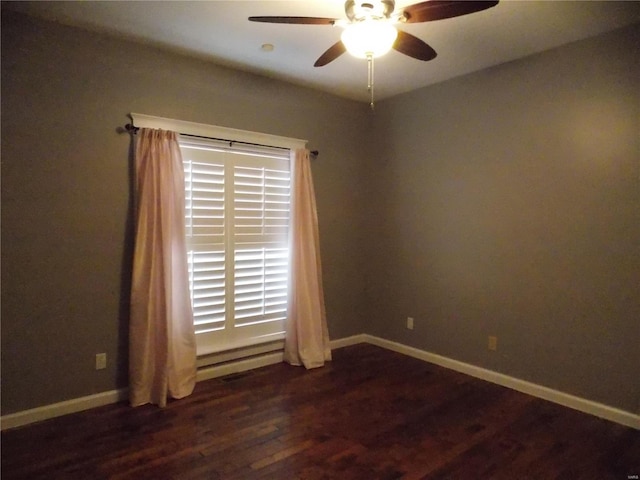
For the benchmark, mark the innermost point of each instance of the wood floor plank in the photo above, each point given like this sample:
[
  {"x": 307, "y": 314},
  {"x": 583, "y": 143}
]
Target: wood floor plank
[{"x": 369, "y": 414}]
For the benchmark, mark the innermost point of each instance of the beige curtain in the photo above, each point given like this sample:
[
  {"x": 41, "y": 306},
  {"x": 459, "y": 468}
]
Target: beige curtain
[
  {"x": 307, "y": 336},
  {"x": 162, "y": 348}
]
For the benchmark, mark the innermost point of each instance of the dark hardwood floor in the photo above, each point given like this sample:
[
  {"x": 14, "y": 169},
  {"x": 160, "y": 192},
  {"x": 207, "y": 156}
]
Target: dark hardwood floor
[{"x": 369, "y": 414}]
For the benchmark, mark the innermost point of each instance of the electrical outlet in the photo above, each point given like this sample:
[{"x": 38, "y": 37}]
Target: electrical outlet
[
  {"x": 101, "y": 361},
  {"x": 410, "y": 323},
  {"x": 493, "y": 343}
]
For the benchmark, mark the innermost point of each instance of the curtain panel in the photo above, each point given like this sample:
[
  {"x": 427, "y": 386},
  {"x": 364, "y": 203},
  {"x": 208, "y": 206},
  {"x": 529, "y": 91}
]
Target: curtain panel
[
  {"x": 162, "y": 346},
  {"x": 307, "y": 335}
]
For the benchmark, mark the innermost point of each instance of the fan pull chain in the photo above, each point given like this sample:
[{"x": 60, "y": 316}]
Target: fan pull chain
[{"x": 370, "y": 78}]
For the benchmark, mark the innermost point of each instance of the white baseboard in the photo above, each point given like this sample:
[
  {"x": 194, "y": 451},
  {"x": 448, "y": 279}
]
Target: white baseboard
[
  {"x": 61, "y": 408},
  {"x": 587, "y": 406},
  {"x": 348, "y": 341},
  {"x": 577, "y": 403}
]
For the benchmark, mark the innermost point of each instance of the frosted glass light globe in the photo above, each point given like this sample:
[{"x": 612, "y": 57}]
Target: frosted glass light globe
[{"x": 369, "y": 38}]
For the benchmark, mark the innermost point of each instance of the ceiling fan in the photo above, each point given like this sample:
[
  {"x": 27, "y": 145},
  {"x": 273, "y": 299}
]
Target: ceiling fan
[{"x": 370, "y": 31}]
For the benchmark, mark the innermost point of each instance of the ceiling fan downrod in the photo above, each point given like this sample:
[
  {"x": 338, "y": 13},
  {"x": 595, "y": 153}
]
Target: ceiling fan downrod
[{"x": 370, "y": 79}]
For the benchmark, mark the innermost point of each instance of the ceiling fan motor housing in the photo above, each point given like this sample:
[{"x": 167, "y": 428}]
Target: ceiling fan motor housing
[{"x": 358, "y": 11}]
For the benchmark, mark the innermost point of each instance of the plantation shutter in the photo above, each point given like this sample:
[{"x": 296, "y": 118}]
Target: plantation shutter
[
  {"x": 205, "y": 230},
  {"x": 261, "y": 218},
  {"x": 237, "y": 217}
]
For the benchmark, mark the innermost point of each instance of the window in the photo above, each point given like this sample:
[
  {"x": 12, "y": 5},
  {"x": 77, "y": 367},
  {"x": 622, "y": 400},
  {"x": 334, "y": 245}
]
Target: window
[
  {"x": 237, "y": 216},
  {"x": 237, "y": 198}
]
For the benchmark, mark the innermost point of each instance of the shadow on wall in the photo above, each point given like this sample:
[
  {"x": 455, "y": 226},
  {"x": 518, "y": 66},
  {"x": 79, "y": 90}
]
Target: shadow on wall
[{"x": 126, "y": 268}]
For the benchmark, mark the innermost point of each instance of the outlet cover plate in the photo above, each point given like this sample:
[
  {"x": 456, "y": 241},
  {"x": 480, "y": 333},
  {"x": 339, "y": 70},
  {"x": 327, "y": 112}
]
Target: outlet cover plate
[{"x": 101, "y": 361}]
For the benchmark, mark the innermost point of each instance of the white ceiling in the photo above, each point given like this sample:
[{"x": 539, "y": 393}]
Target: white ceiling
[{"x": 220, "y": 32}]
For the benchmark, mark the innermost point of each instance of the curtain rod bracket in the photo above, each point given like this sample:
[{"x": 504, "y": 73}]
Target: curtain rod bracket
[{"x": 131, "y": 129}]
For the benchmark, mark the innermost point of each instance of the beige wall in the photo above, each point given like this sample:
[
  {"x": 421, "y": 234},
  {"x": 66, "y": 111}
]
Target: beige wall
[
  {"x": 507, "y": 203},
  {"x": 66, "y": 212}
]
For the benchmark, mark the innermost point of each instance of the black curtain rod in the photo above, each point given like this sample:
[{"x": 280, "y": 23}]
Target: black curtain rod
[{"x": 133, "y": 129}]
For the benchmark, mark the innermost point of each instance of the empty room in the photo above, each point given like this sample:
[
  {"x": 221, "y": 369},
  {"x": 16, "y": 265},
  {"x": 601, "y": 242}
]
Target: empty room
[{"x": 401, "y": 240}]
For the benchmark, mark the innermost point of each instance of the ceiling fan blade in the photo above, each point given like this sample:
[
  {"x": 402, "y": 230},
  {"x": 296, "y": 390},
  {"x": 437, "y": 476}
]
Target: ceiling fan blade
[
  {"x": 331, "y": 54},
  {"x": 440, "y": 9},
  {"x": 296, "y": 20},
  {"x": 413, "y": 47}
]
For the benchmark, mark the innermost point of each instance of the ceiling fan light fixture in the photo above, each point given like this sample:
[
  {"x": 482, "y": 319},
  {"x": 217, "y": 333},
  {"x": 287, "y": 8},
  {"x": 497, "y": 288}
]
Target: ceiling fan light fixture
[{"x": 369, "y": 38}]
